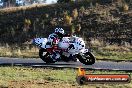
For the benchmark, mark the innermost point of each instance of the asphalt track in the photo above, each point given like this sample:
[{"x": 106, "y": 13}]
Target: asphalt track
[{"x": 99, "y": 65}]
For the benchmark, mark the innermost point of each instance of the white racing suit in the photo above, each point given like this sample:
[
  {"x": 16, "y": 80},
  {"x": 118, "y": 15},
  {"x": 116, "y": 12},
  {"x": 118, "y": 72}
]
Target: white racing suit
[
  {"x": 52, "y": 46},
  {"x": 54, "y": 39}
]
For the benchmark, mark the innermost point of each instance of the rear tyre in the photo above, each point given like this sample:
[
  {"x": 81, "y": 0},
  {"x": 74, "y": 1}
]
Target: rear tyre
[
  {"x": 45, "y": 56},
  {"x": 86, "y": 58}
]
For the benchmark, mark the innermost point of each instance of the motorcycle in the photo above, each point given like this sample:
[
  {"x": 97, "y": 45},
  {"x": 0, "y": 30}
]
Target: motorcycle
[{"x": 69, "y": 49}]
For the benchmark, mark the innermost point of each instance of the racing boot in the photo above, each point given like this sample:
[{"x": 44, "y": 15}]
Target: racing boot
[{"x": 56, "y": 56}]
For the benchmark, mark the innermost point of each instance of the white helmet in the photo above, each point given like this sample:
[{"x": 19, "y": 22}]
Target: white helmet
[
  {"x": 59, "y": 30},
  {"x": 56, "y": 30}
]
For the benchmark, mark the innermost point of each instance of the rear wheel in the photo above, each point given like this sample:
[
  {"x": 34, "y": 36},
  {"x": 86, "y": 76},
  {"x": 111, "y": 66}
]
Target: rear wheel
[
  {"x": 45, "y": 56},
  {"x": 86, "y": 58}
]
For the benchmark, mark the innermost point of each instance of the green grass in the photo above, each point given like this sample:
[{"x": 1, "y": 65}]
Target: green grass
[
  {"x": 19, "y": 52},
  {"x": 21, "y": 73},
  {"x": 62, "y": 76},
  {"x": 113, "y": 53}
]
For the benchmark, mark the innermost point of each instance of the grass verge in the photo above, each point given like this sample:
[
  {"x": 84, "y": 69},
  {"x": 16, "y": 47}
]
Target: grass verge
[
  {"x": 113, "y": 52},
  {"x": 23, "y": 77}
]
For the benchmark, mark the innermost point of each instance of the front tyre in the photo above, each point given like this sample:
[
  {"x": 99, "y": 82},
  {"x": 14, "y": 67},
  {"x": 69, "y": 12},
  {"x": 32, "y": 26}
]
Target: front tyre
[
  {"x": 45, "y": 56},
  {"x": 86, "y": 58}
]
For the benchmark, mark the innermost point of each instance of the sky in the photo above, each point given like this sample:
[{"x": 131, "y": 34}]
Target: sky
[{"x": 50, "y": 1}]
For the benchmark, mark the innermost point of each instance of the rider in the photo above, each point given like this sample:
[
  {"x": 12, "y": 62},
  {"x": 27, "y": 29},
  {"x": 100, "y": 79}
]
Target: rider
[
  {"x": 56, "y": 36},
  {"x": 53, "y": 41}
]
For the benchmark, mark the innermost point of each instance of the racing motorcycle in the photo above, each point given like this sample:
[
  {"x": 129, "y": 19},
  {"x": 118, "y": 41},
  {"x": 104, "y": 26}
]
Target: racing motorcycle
[{"x": 69, "y": 49}]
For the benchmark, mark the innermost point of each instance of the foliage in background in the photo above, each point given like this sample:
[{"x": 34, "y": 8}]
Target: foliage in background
[{"x": 104, "y": 22}]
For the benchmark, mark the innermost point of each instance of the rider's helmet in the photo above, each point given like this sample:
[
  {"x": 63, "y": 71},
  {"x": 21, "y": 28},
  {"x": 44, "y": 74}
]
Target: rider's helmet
[
  {"x": 56, "y": 30},
  {"x": 59, "y": 31}
]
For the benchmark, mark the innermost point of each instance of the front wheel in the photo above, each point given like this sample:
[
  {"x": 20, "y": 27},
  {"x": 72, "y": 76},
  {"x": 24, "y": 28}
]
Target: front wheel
[
  {"x": 45, "y": 56},
  {"x": 86, "y": 58}
]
